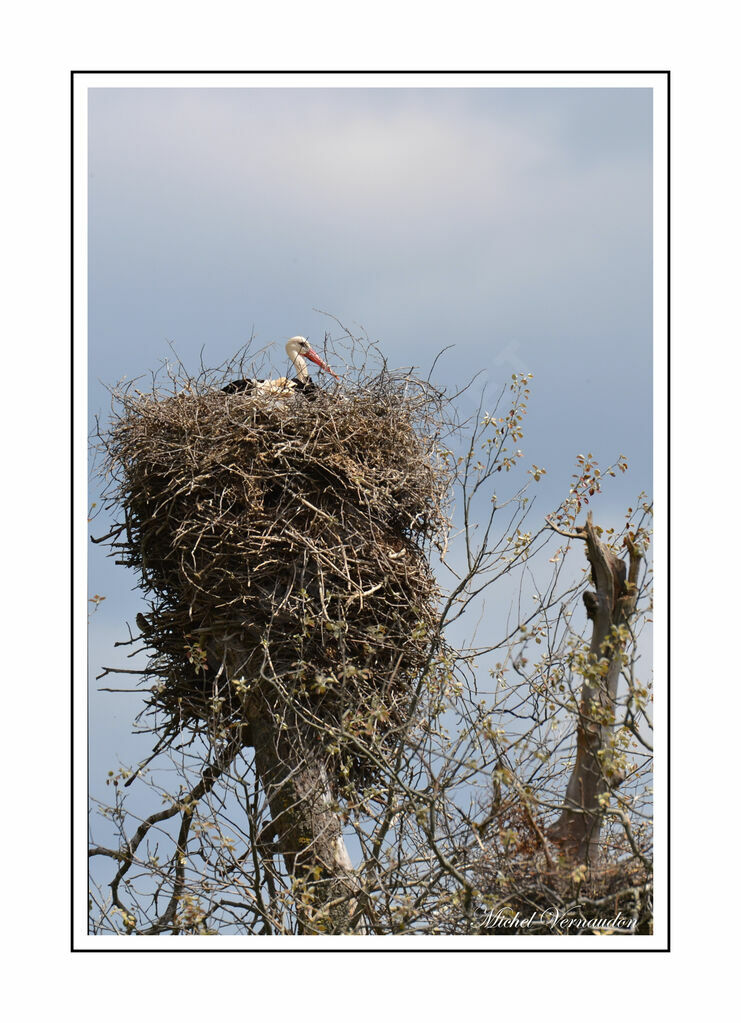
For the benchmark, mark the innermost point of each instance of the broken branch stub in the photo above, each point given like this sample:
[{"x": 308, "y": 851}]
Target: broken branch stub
[{"x": 609, "y": 607}]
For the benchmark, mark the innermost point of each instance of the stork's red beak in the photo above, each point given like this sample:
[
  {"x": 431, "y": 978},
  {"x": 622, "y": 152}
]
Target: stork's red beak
[{"x": 311, "y": 354}]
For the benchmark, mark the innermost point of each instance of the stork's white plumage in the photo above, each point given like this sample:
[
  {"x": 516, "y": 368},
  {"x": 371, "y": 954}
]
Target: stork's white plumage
[{"x": 298, "y": 350}]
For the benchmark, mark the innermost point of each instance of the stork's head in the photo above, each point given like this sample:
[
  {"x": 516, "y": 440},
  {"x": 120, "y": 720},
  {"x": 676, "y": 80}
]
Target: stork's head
[{"x": 299, "y": 346}]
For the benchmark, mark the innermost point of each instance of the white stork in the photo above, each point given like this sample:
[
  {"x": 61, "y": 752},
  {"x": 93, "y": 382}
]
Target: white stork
[{"x": 298, "y": 350}]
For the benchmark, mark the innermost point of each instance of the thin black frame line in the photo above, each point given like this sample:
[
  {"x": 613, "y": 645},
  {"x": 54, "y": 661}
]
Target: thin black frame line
[
  {"x": 668, "y": 509},
  {"x": 602, "y": 71},
  {"x": 71, "y": 507},
  {"x": 369, "y": 71}
]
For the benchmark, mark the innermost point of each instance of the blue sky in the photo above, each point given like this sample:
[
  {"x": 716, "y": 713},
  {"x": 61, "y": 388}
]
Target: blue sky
[{"x": 514, "y": 224}]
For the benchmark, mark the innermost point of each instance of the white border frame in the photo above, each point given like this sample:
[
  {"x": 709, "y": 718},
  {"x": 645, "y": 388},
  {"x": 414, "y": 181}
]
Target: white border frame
[{"x": 656, "y": 80}]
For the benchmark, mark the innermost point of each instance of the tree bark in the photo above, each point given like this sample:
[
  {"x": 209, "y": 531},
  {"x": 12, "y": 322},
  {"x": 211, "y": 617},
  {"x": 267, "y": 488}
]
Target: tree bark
[
  {"x": 304, "y": 812},
  {"x": 308, "y": 825},
  {"x": 609, "y": 606}
]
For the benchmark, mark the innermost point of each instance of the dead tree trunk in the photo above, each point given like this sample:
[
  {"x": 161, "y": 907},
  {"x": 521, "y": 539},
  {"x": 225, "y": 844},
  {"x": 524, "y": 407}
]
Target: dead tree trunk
[
  {"x": 308, "y": 826},
  {"x": 609, "y": 607},
  {"x": 305, "y": 818}
]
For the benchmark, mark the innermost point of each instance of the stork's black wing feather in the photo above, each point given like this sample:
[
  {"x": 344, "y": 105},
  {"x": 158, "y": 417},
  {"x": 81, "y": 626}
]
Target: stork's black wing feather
[
  {"x": 304, "y": 386},
  {"x": 239, "y": 385}
]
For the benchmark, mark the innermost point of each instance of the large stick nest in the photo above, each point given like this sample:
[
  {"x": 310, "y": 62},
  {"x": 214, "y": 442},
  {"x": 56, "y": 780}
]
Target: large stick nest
[{"x": 283, "y": 547}]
